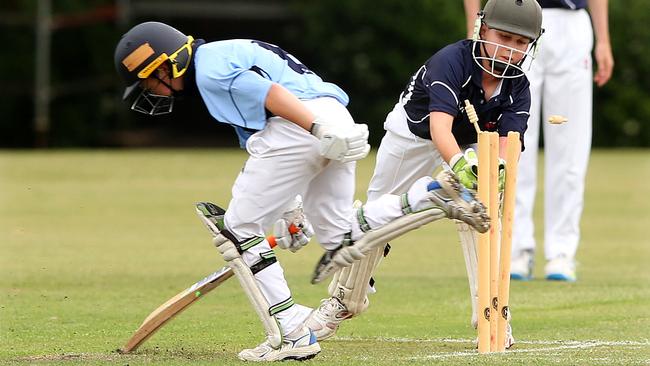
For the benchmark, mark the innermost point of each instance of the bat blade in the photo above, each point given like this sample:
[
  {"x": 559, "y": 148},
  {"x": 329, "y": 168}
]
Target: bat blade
[
  {"x": 209, "y": 214},
  {"x": 175, "y": 306}
]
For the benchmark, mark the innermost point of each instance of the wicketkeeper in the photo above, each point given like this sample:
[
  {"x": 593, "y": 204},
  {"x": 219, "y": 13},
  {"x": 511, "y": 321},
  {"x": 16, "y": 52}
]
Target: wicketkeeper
[
  {"x": 428, "y": 129},
  {"x": 301, "y": 140}
]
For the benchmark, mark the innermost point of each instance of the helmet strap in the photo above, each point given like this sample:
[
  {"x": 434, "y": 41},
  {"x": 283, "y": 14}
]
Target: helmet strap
[{"x": 165, "y": 83}]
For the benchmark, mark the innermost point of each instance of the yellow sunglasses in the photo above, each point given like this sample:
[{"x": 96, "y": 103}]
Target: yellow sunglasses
[{"x": 187, "y": 47}]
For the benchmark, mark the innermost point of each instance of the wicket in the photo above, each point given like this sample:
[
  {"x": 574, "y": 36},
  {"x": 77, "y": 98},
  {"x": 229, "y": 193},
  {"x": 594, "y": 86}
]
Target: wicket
[{"x": 494, "y": 251}]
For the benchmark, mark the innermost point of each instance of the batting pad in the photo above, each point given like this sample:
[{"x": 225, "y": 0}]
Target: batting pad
[
  {"x": 208, "y": 213},
  {"x": 345, "y": 256}
]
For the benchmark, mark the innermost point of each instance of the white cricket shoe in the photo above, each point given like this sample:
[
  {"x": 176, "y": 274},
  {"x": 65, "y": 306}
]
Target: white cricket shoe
[
  {"x": 301, "y": 344},
  {"x": 324, "y": 321},
  {"x": 561, "y": 268},
  {"x": 510, "y": 340},
  {"x": 521, "y": 265}
]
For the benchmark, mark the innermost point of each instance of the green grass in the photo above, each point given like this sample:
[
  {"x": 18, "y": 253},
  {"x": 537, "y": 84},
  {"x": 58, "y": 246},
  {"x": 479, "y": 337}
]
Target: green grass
[{"x": 92, "y": 241}]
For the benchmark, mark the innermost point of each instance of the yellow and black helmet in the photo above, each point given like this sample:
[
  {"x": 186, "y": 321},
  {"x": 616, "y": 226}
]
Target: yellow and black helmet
[{"x": 145, "y": 47}]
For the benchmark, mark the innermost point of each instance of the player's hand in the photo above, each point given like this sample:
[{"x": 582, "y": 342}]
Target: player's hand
[
  {"x": 293, "y": 231},
  {"x": 342, "y": 143},
  {"x": 604, "y": 63},
  {"x": 465, "y": 166}
]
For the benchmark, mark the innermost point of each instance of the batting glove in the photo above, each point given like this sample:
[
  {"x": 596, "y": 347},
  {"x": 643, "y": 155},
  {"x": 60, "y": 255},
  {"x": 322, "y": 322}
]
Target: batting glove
[
  {"x": 342, "y": 143},
  {"x": 293, "y": 231}
]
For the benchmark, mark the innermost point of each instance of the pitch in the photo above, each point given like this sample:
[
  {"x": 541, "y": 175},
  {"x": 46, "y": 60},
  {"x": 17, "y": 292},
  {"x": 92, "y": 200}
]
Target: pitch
[{"x": 91, "y": 241}]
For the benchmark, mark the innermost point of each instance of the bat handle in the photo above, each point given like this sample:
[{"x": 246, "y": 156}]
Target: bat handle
[
  {"x": 471, "y": 115},
  {"x": 271, "y": 239}
]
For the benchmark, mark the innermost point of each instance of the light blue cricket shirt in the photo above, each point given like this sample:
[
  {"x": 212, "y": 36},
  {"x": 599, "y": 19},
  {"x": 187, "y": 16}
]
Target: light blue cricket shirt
[{"x": 234, "y": 77}]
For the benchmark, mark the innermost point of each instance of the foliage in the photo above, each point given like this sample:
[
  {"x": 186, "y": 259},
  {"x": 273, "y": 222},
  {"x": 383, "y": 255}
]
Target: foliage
[
  {"x": 622, "y": 107},
  {"x": 370, "y": 48},
  {"x": 81, "y": 74}
]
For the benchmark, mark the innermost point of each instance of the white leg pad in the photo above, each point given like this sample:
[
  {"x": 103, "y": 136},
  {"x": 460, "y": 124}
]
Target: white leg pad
[
  {"x": 468, "y": 242},
  {"x": 396, "y": 228},
  {"x": 350, "y": 284},
  {"x": 376, "y": 238},
  {"x": 249, "y": 285}
]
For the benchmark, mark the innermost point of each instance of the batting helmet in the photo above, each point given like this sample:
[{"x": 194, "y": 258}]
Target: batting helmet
[
  {"x": 522, "y": 17},
  {"x": 145, "y": 47}
]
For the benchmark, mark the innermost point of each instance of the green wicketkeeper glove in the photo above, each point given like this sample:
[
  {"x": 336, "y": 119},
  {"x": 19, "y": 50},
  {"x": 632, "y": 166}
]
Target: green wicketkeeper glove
[{"x": 465, "y": 166}]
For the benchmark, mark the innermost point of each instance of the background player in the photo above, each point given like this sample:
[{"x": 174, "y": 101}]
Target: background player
[
  {"x": 427, "y": 128},
  {"x": 301, "y": 140}
]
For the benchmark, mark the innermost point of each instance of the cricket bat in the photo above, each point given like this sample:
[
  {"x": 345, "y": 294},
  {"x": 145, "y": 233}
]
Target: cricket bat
[
  {"x": 182, "y": 301},
  {"x": 175, "y": 306}
]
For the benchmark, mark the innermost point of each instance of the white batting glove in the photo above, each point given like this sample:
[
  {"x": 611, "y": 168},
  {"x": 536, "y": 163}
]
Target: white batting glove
[
  {"x": 342, "y": 143},
  {"x": 293, "y": 231}
]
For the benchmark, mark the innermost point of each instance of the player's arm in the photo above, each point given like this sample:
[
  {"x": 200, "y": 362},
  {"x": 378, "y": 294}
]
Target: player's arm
[
  {"x": 282, "y": 103},
  {"x": 503, "y": 146},
  {"x": 462, "y": 163},
  {"x": 472, "y": 7},
  {"x": 603, "y": 48},
  {"x": 441, "y": 135},
  {"x": 337, "y": 142}
]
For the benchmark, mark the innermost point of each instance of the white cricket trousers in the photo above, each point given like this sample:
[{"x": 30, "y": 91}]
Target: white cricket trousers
[
  {"x": 560, "y": 83},
  {"x": 402, "y": 157},
  {"x": 285, "y": 161}
]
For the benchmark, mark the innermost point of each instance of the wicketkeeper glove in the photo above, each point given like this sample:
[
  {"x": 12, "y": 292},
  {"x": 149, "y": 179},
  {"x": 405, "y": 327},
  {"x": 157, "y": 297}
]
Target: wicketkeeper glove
[
  {"x": 343, "y": 143},
  {"x": 465, "y": 166},
  {"x": 293, "y": 231}
]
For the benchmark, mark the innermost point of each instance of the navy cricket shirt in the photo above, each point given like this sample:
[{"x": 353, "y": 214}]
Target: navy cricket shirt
[
  {"x": 566, "y": 4},
  {"x": 448, "y": 78}
]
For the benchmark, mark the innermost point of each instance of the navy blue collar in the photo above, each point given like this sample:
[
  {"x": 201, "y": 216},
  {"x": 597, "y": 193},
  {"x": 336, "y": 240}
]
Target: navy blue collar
[{"x": 190, "y": 89}]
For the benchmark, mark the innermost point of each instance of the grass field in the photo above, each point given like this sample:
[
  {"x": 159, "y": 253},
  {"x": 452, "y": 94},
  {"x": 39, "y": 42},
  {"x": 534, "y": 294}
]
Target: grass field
[{"x": 92, "y": 241}]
